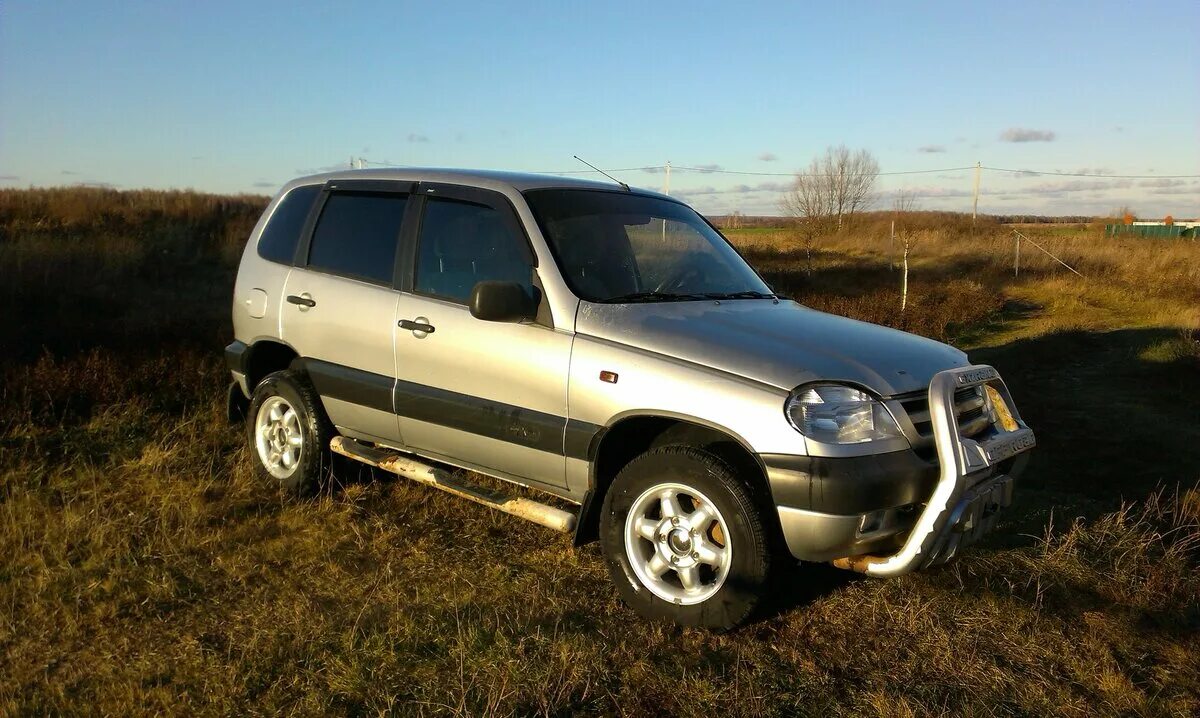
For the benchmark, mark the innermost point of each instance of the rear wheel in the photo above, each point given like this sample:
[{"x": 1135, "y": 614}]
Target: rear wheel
[
  {"x": 684, "y": 540},
  {"x": 288, "y": 433}
]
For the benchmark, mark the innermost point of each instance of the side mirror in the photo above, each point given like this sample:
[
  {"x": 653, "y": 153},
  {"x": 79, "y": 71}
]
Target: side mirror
[{"x": 496, "y": 301}]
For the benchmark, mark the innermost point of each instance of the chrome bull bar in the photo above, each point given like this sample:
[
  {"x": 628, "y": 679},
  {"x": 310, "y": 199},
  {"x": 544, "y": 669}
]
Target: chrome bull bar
[{"x": 960, "y": 509}]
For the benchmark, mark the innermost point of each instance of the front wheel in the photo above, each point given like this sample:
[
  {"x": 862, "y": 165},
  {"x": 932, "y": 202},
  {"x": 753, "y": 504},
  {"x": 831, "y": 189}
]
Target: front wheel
[{"x": 684, "y": 540}]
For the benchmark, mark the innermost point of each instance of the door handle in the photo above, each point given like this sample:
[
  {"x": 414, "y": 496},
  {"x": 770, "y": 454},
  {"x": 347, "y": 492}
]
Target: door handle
[
  {"x": 302, "y": 300},
  {"x": 417, "y": 326}
]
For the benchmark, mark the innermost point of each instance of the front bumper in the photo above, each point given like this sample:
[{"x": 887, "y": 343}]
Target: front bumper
[{"x": 896, "y": 513}]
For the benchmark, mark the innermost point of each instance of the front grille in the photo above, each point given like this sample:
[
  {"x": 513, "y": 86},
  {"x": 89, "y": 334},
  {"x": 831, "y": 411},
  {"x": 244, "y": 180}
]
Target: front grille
[{"x": 969, "y": 406}]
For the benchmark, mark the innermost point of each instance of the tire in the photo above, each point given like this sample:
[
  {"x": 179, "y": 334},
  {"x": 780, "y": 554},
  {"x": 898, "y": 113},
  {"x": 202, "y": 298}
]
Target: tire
[
  {"x": 286, "y": 419},
  {"x": 729, "y": 553}
]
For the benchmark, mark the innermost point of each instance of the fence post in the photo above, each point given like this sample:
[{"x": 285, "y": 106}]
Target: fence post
[
  {"x": 1040, "y": 248},
  {"x": 1017, "y": 258},
  {"x": 892, "y": 247}
]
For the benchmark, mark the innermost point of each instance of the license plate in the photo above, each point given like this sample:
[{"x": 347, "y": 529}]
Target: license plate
[{"x": 1006, "y": 445}]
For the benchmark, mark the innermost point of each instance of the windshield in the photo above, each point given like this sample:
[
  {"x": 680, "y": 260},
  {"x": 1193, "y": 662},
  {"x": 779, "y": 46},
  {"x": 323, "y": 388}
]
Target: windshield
[{"x": 621, "y": 247}]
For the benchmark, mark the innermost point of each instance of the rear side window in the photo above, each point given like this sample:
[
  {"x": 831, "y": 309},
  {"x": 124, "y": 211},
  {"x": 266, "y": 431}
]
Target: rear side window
[
  {"x": 278, "y": 240},
  {"x": 357, "y": 234},
  {"x": 463, "y": 243}
]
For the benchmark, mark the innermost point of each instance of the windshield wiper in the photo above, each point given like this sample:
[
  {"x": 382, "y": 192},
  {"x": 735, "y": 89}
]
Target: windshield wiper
[
  {"x": 740, "y": 295},
  {"x": 652, "y": 297}
]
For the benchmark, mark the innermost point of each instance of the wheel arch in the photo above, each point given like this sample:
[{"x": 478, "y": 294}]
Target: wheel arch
[
  {"x": 634, "y": 433},
  {"x": 263, "y": 357}
]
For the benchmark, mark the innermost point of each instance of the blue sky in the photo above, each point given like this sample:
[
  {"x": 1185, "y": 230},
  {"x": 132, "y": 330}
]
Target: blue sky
[{"x": 240, "y": 97}]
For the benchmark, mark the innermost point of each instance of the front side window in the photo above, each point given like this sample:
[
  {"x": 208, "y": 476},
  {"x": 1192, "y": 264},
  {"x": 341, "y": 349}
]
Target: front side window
[
  {"x": 357, "y": 235},
  {"x": 278, "y": 239},
  {"x": 622, "y": 247},
  {"x": 463, "y": 243}
]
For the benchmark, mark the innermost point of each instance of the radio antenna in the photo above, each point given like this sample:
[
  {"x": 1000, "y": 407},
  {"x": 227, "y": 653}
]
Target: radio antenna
[{"x": 614, "y": 179}]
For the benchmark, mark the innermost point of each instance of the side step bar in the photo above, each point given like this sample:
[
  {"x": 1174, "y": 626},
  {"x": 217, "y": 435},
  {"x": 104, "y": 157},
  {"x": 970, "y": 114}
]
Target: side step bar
[{"x": 412, "y": 468}]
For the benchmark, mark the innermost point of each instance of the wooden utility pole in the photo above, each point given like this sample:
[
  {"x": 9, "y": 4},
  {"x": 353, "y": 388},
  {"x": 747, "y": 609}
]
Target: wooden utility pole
[
  {"x": 666, "y": 190},
  {"x": 975, "y": 202}
]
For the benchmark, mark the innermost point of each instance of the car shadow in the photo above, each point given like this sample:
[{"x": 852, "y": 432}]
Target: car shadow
[
  {"x": 1117, "y": 417},
  {"x": 796, "y": 584}
]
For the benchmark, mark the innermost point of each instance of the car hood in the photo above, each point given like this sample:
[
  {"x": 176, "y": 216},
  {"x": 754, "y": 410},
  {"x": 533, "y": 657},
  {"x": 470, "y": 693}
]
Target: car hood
[{"x": 783, "y": 344}]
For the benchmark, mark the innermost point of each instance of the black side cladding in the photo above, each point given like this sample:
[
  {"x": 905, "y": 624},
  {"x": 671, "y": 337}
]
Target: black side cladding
[
  {"x": 496, "y": 420},
  {"x": 353, "y": 385},
  {"x": 235, "y": 356},
  {"x": 579, "y": 441},
  {"x": 493, "y": 419}
]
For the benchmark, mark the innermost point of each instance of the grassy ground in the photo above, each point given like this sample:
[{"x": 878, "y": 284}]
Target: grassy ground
[{"x": 144, "y": 571}]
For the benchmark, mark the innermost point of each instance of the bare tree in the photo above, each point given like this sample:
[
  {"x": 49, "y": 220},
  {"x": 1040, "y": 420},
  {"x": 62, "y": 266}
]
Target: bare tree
[
  {"x": 810, "y": 203},
  {"x": 904, "y": 202},
  {"x": 852, "y": 176},
  {"x": 835, "y": 186},
  {"x": 840, "y": 182}
]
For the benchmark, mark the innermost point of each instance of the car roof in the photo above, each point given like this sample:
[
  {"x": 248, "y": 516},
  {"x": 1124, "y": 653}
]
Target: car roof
[{"x": 488, "y": 179}]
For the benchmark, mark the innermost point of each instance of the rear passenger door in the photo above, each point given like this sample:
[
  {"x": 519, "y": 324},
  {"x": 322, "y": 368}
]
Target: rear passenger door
[
  {"x": 340, "y": 304},
  {"x": 489, "y": 395}
]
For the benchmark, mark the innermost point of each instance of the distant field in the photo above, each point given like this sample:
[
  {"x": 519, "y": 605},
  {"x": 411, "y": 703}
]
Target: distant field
[{"x": 143, "y": 570}]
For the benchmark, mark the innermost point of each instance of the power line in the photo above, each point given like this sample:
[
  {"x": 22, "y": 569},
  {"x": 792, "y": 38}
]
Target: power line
[
  {"x": 712, "y": 170},
  {"x": 720, "y": 171},
  {"x": 590, "y": 172},
  {"x": 1090, "y": 174},
  {"x": 749, "y": 173}
]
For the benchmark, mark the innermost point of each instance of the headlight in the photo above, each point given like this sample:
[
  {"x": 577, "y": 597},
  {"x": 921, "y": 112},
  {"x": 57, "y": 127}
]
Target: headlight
[{"x": 836, "y": 414}]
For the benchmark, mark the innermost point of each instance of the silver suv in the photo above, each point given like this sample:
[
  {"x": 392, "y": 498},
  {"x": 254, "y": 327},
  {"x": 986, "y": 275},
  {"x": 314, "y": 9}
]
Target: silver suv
[{"x": 609, "y": 348}]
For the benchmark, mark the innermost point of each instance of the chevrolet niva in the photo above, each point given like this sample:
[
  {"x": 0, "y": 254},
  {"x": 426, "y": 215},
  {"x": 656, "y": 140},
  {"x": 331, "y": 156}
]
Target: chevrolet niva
[{"x": 609, "y": 347}]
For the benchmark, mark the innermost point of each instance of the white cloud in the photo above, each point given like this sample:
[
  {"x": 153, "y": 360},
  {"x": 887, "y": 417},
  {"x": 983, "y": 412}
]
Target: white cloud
[
  {"x": 1163, "y": 183},
  {"x": 1075, "y": 186},
  {"x": 1021, "y": 134},
  {"x": 710, "y": 191},
  {"x": 931, "y": 149}
]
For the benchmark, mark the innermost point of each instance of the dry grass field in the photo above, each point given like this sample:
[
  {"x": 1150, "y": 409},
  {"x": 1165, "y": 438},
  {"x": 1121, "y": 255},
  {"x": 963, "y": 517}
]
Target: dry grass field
[{"x": 143, "y": 570}]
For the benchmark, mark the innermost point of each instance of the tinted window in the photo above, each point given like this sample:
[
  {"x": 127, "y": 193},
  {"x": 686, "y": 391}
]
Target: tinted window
[
  {"x": 463, "y": 243},
  {"x": 357, "y": 235},
  {"x": 618, "y": 247},
  {"x": 278, "y": 240}
]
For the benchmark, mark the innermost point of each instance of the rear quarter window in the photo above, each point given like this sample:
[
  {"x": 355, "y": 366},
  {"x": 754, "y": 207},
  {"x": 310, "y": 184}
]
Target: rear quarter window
[{"x": 279, "y": 238}]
